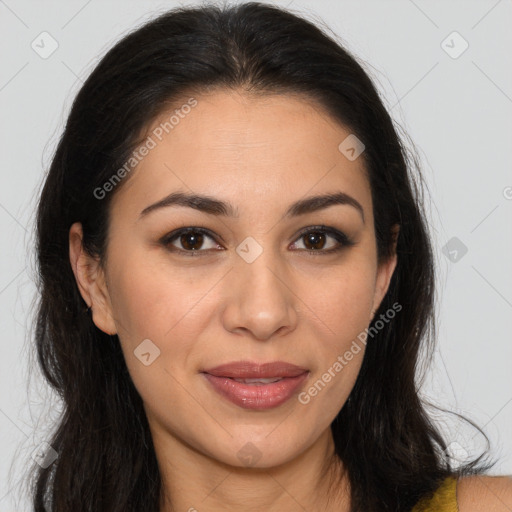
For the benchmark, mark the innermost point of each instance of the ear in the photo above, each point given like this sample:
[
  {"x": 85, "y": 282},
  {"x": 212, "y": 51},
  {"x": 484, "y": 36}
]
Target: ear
[
  {"x": 385, "y": 272},
  {"x": 90, "y": 278}
]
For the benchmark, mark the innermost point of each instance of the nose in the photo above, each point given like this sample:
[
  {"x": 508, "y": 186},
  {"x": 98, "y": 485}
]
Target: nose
[{"x": 260, "y": 299}]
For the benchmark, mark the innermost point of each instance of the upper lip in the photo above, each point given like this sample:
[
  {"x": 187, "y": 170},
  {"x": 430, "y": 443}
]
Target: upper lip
[{"x": 252, "y": 370}]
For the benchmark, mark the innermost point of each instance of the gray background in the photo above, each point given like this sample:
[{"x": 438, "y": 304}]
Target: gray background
[{"x": 456, "y": 110}]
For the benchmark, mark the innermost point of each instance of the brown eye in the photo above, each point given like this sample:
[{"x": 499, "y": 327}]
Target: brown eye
[
  {"x": 316, "y": 239},
  {"x": 189, "y": 240}
]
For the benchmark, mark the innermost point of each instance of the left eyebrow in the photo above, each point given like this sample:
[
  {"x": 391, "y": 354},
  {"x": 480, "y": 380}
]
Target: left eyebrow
[
  {"x": 316, "y": 203},
  {"x": 217, "y": 207}
]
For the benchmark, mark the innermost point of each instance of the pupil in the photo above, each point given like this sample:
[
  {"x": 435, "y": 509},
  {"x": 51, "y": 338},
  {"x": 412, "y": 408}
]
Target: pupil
[
  {"x": 194, "y": 238},
  {"x": 315, "y": 239}
]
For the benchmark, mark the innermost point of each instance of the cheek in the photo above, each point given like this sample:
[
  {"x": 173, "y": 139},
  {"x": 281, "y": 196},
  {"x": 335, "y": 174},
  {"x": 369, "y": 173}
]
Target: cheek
[
  {"x": 341, "y": 297},
  {"x": 171, "y": 307},
  {"x": 328, "y": 390},
  {"x": 340, "y": 305},
  {"x": 155, "y": 299},
  {"x": 342, "y": 309},
  {"x": 164, "y": 307}
]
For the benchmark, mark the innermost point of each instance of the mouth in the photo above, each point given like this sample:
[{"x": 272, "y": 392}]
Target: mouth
[{"x": 257, "y": 387}]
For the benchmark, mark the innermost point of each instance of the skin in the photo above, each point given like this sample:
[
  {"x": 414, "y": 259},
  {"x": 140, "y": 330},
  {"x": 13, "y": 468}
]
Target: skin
[
  {"x": 492, "y": 494},
  {"x": 260, "y": 155}
]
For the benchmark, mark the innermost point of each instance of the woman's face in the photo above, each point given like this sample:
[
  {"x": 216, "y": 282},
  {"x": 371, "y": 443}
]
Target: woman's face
[{"x": 256, "y": 281}]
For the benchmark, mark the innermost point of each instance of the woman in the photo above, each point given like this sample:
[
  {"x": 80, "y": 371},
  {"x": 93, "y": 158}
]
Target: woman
[{"x": 236, "y": 281}]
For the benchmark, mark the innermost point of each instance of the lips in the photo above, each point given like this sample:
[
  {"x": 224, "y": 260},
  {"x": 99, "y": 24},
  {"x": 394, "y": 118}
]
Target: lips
[
  {"x": 256, "y": 386},
  {"x": 249, "y": 370}
]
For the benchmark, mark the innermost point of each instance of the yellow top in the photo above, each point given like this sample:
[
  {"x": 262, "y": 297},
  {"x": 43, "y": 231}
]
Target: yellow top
[{"x": 443, "y": 500}]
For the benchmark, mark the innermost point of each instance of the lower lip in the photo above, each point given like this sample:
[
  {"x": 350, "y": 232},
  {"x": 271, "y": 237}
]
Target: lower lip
[{"x": 254, "y": 396}]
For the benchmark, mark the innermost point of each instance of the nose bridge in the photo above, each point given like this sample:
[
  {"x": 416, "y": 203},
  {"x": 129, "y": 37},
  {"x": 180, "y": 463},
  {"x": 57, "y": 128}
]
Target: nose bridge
[
  {"x": 260, "y": 300},
  {"x": 258, "y": 266}
]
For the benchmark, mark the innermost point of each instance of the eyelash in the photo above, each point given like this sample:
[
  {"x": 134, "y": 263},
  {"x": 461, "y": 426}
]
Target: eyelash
[{"x": 339, "y": 236}]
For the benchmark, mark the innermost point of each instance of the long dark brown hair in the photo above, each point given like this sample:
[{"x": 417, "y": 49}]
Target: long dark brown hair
[{"x": 392, "y": 451}]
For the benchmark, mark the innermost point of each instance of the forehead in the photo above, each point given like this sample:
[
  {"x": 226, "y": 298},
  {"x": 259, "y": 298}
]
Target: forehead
[{"x": 245, "y": 148}]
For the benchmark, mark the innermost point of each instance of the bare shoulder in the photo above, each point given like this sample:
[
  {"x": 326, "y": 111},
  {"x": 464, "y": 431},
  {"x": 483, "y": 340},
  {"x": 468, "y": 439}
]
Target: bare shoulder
[{"x": 489, "y": 493}]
